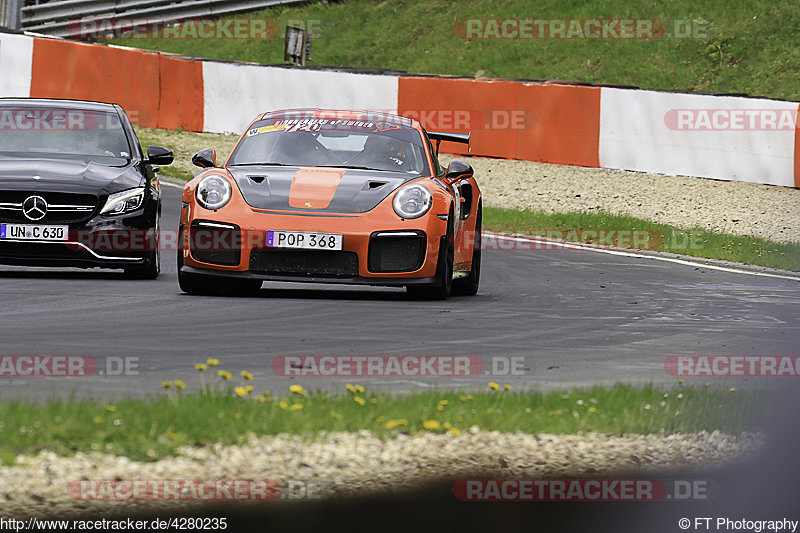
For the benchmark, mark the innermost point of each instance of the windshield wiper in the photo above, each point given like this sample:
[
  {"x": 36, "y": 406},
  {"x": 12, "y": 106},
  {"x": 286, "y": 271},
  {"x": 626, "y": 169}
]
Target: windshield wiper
[{"x": 267, "y": 164}]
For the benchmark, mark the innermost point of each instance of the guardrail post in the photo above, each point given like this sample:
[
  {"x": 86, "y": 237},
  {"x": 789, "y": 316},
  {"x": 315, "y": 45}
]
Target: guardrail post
[{"x": 9, "y": 13}]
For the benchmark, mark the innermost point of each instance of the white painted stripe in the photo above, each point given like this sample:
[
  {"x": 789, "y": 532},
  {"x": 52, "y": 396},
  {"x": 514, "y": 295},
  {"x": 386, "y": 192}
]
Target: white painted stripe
[
  {"x": 236, "y": 94},
  {"x": 655, "y": 256},
  {"x": 636, "y": 134},
  {"x": 16, "y": 61}
]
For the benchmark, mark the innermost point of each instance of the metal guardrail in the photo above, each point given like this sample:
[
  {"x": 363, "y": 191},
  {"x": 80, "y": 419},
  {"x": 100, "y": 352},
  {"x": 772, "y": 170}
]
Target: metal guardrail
[
  {"x": 56, "y": 16},
  {"x": 9, "y": 14}
]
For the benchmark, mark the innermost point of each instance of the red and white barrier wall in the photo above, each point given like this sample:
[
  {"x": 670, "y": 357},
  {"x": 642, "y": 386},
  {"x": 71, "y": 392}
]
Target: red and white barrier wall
[{"x": 728, "y": 138}]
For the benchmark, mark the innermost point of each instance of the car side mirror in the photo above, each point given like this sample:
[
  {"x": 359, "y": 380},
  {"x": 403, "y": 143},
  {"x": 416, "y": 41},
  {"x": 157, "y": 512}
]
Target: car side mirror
[
  {"x": 205, "y": 158},
  {"x": 158, "y": 155},
  {"x": 457, "y": 169}
]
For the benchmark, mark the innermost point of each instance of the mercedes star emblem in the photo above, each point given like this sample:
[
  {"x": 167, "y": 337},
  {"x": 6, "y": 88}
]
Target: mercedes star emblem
[{"x": 34, "y": 207}]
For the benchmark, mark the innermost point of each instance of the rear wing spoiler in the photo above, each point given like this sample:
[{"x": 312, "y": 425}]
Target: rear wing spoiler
[{"x": 440, "y": 136}]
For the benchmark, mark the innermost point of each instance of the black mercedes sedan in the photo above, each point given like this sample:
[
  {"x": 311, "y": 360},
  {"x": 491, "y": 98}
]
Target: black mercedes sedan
[{"x": 76, "y": 190}]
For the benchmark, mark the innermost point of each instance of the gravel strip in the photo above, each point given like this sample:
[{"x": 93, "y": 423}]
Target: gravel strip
[
  {"x": 338, "y": 464},
  {"x": 735, "y": 207}
]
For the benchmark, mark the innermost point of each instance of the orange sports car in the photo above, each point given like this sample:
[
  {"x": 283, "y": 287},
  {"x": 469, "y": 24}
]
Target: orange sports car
[{"x": 312, "y": 195}]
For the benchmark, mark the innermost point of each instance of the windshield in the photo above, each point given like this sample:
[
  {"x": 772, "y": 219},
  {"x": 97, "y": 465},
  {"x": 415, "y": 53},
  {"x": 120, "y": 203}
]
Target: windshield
[
  {"x": 332, "y": 142},
  {"x": 62, "y": 133}
]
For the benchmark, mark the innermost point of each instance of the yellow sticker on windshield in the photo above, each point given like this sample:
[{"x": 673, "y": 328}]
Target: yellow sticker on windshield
[{"x": 266, "y": 129}]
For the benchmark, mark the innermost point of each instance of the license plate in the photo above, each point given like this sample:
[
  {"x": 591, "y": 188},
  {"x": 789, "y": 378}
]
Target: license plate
[
  {"x": 31, "y": 232},
  {"x": 304, "y": 239}
]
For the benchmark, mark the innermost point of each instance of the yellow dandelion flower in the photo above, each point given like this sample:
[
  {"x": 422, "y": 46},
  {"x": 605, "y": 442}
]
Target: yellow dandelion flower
[
  {"x": 111, "y": 408},
  {"x": 447, "y": 425},
  {"x": 440, "y": 408},
  {"x": 351, "y": 389},
  {"x": 592, "y": 409},
  {"x": 391, "y": 424},
  {"x": 469, "y": 396},
  {"x": 455, "y": 432},
  {"x": 246, "y": 375},
  {"x": 360, "y": 389},
  {"x": 507, "y": 386},
  {"x": 224, "y": 374},
  {"x": 240, "y": 391},
  {"x": 462, "y": 398},
  {"x": 373, "y": 401},
  {"x": 443, "y": 402},
  {"x": 431, "y": 424},
  {"x": 180, "y": 384},
  {"x": 336, "y": 415},
  {"x": 282, "y": 404},
  {"x": 493, "y": 385},
  {"x": 680, "y": 381},
  {"x": 359, "y": 400},
  {"x": 267, "y": 393},
  {"x": 260, "y": 399},
  {"x": 379, "y": 420},
  {"x": 249, "y": 389},
  {"x": 200, "y": 366},
  {"x": 97, "y": 420},
  {"x": 167, "y": 384},
  {"x": 297, "y": 389},
  {"x": 296, "y": 407},
  {"x": 732, "y": 389},
  {"x": 212, "y": 362}
]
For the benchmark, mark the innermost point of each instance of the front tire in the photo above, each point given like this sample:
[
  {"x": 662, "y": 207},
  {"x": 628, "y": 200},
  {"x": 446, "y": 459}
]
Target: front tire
[
  {"x": 444, "y": 270},
  {"x": 151, "y": 267},
  {"x": 469, "y": 286}
]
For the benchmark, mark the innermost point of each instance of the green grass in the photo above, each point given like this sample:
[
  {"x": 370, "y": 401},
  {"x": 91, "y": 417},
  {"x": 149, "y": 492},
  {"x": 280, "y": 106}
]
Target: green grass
[
  {"x": 154, "y": 428},
  {"x": 747, "y": 46},
  {"x": 697, "y": 242}
]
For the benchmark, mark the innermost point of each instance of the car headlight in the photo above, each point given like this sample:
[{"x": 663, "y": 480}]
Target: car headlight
[
  {"x": 213, "y": 192},
  {"x": 124, "y": 202},
  {"x": 412, "y": 201}
]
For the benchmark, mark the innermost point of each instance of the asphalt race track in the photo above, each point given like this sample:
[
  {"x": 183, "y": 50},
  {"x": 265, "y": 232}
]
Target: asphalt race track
[{"x": 576, "y": 317}]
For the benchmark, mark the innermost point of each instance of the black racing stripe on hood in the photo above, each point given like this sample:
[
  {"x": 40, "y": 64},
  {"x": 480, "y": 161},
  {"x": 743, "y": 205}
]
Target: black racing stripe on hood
[{"x": 359, "y": 191}]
